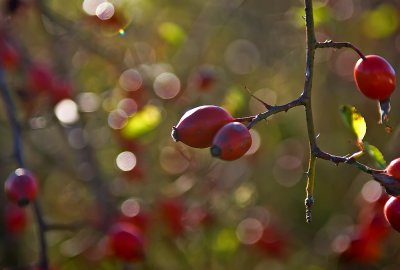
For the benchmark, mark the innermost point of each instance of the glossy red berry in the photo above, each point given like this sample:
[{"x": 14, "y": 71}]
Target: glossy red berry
[
  {"x": 198, "y": 126},
  {"x": 205, "y": 78},
  {"x": 15, "y": 218},
  {"x": 139, "y": 218},
  {"x": 392, "y": 212},
  {"x": 273, "y": 242},
  {"x": 21, "y": 187},
  {"x": 363, "y": 250},
  {"x": 393, "y": 169},
  {"x": 375, "y": 77},
  {"x": 126, "y": 242},
  {"x": 172, "y": 211},
  {"x": 231, "y": 142},
  {"x": 40, "y": 78},
  {"x": 9, "y": 55},
  {"x": 61, "y": 89}
]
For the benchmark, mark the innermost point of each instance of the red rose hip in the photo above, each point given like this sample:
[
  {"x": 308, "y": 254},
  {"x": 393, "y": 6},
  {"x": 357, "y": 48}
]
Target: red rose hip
[
  {"x": 198, "y": 126},
  {"x": 375, "y": 77},
  {"x": 231, "y": 142},
  {"x": 126, "y": 242},
  {"x": 21, "y": 187},
  {"x": 392, "y": 212},
  {"x": 15, "y": 218},
  {"x": 393, "y": 169}
]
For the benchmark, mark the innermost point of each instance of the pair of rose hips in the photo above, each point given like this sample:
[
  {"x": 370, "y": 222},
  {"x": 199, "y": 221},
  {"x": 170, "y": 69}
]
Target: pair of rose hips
[
  {"x": 375, "y": 77},
  {"x": 392, "y": 206},
  {"x": 212, "y": 126}
]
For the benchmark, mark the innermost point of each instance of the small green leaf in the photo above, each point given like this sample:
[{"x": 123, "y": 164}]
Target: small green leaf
[
  {"x": 376, "y": 154},
  {"x": 171, "y": 33},
  {"x": 142, "y": 122},
  {"x": 354, "y": 120}
]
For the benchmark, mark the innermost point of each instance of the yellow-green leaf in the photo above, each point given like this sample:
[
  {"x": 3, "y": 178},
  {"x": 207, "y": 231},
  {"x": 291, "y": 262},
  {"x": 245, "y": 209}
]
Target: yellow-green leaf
[
  {"x": 376, "y": 155},
  {"x": 225, "y": 242},
  {"x": 234, "y": 100},
  {"x": 142, "y": 122},
  {"x": 381, "y": 22},
  {"x": 354, "y": 120},
  {"x": 171, "y": 33}
]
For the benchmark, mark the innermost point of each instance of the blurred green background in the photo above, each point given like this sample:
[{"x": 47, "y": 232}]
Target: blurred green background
[{"x": 133, "y": 77}]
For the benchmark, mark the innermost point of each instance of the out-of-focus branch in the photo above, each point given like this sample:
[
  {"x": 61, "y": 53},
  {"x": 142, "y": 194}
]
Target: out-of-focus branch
[
  {"x": 18, "y": 153},
  {"x": 82, "y": 37}
]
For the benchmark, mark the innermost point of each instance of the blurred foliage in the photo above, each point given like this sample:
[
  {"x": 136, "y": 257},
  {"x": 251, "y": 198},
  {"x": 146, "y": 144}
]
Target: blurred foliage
[{"x": 255, "y": 205}]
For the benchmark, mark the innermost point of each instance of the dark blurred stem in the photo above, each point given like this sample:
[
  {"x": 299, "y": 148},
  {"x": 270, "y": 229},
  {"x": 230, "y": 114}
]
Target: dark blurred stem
[
  {"x": 12, "y": 118},
  {"x": 85, "y": 39},
  {"x": 86, "y": 155},
  {"x": 44, "y": 264},
  {"x": 64, "y": 227},
  {"x": 18, "y": 153}
]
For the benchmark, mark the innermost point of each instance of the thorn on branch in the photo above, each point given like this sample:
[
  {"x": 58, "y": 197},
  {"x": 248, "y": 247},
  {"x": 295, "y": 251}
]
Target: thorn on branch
[{"x": 266, "y": 105}]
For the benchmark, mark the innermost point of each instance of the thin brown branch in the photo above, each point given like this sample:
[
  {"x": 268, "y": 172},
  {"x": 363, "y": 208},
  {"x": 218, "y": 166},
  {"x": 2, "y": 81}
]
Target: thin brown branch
[{"x": 276, "y": 109}]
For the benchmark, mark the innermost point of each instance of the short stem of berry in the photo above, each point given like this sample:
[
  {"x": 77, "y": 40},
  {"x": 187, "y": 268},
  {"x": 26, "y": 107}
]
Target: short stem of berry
[
  {"x": 245, "y": 119},
  {"x": 339, "y": 45}
]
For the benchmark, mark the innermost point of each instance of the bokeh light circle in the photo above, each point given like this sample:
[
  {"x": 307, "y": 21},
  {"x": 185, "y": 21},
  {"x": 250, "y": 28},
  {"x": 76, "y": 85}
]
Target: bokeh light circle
[
  {"x": 128, "y": 105},
  {"x": 242, "y": 57},
  {"x": 66, "y": 111},
  {"x": 105, "y": 11},
  {"x": 117, "y": 119},
  {"x": 90, "y": 6},
  {"x": 167, "y": 85},
  {"x": 126, "y": 161},
  {"x": 88, "y": 102},
  {"x": 371, "y": 191},
  {"x": 249, "y": 231},
  {"x": 131, "y": 80},
  {"x": 256, "y": 142},
  {"x": 130, "y": 207}
]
